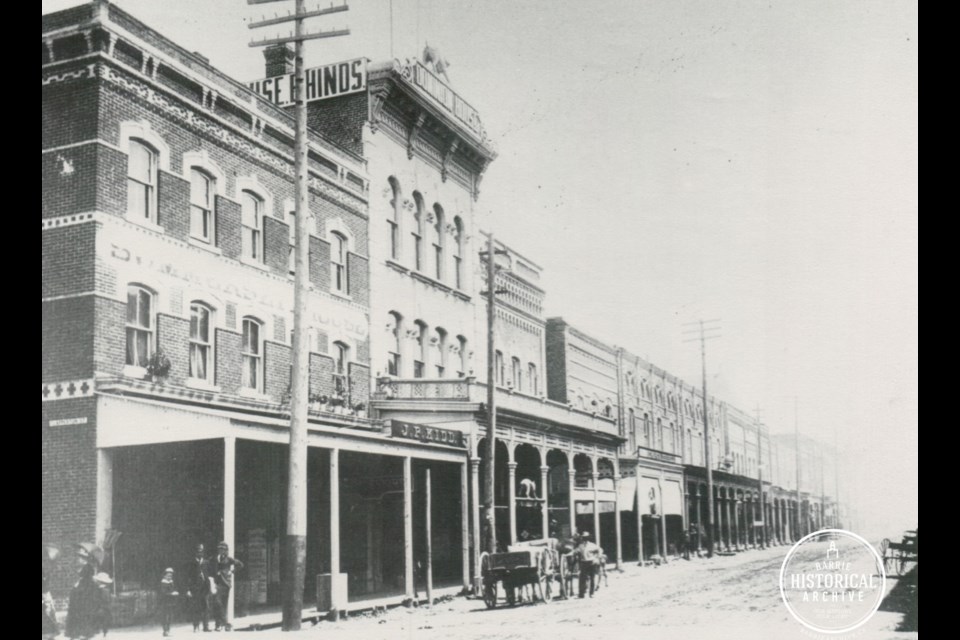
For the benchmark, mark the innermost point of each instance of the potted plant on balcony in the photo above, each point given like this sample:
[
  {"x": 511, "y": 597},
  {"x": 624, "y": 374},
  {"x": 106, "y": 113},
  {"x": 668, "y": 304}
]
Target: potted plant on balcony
[
  {"x": 336, "y": 403},
  {"x": 158, "y": 366},
  {"x": 360, "y": 409},
  {"x": 318, "y": 402}
]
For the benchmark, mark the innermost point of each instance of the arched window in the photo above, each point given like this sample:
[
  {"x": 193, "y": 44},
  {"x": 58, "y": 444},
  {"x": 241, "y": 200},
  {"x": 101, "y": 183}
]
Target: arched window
[
  {"x": 338, "y": 262},
  {"x": 659, "y": 434},
  {"x": 202, "y": 218},
  {"x": 498, "y": 368},
  {"x": 516, "y": 373},
  {"x": 440, "y": 360},
  {"x": 631, "y": 431},
  {"x": 252, "y": 352},
  {"x": 393, "y": 357},
  {"x": 201, "y": 342},
  {"x": 251, "y": 220},
  {"x": 647, "y": 436},
  {"x": 420, "y": 362},
  {"x": 464, "y": 357},
  {"x": 142, "y": 181},
  {"x": 141, "y": 327},
  {"x": 393, "y": 218},
  {"x": 458, "y": 253},
  {"x": 417, "y": 231},
  {"x": 532, "y": 381},
  {"x": 341, "y": 358},
  {"x": 439, "y": 241}
]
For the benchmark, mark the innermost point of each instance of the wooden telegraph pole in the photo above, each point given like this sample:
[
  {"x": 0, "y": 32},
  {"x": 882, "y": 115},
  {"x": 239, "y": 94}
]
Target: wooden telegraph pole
[
  {"x": 489, "y": 503},
  {"x": 701, "y": 327},
  {"x": 295, "y": 543}
]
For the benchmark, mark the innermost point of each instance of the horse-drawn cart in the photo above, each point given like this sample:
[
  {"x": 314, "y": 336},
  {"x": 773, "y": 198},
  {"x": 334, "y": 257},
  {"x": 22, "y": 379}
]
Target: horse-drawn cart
[
  {"x": 901, "y": 556},
  {"x": 514, "y": 570}
]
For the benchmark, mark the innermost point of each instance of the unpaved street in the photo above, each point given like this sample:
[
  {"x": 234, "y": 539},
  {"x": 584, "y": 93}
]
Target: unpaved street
[{"x": 734, "y": 597}]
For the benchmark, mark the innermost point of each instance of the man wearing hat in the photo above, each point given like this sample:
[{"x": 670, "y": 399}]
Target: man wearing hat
[
  {"x": 222, "y": 567},
  {"x": 589, "y": 555},
  {"x": 198, "y": 589}
]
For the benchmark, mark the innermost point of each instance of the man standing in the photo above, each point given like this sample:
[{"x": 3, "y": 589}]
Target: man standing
[
  {"x": 198, "y": 590},
  {"x": 589, "y": 554},
  {"x": 223, "y": 568}
]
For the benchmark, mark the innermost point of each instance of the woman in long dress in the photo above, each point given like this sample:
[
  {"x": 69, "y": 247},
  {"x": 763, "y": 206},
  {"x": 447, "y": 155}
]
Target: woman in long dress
[{"x": 82, "y": 612}]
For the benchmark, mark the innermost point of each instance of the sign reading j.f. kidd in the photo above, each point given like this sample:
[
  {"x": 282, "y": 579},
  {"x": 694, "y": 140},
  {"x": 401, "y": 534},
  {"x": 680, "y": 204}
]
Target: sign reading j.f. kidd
[{"x": 328, "y": 81}]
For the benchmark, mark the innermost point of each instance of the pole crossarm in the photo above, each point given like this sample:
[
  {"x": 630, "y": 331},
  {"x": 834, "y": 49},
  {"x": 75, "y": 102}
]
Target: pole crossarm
[{"x": 290, "y": 17}]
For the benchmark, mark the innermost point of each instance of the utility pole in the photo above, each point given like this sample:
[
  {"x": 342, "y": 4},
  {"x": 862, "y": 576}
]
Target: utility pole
[
  {"x": 489, "y": 503},
  {"x": 801, "y": 528},
  {"x": 701, "y": 327},
  {"x": 763, "y": 500},
  {"x": 295, "y": 543}
]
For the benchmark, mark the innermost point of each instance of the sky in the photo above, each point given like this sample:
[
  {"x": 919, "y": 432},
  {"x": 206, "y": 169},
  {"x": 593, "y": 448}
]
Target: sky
[{"x": 669, "y": 161}]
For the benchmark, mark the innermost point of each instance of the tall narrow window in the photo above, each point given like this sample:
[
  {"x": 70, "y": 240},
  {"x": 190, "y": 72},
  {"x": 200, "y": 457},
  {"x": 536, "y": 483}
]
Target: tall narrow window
[
  {"x": 417, "y": 231},
  {"x": 420, "y": 362},
  {"x": 659, "y": 434},
  {"x": 201, "y": 344},
  {"x": 458, "y": 253},
  {"x": 292, "y": 241},
  {"x": 393, "y": 219},
  {"x": 464, "y": 357},
  {"x": 647, "y": 436},
  {"x": 516, "y": 373},
  {"x": 252, "y": 351},
  {"x": 338, "y": 262},
  {"x": 341, "y": 356},
  {"x": 439, "y": 240},
  {"x": 251, "y": 219},
  {"x": 140, "y": 326},
  {"x": 393, "y": 356},
  {"x": 532, "y": 381},
  {"x": 142, "y": 182},
  {"x": 202, "y": 189},
  {"x": 631, "y": 432},
  {"x": 499, "y": 368},
  {"x": 440, "y": 360}
]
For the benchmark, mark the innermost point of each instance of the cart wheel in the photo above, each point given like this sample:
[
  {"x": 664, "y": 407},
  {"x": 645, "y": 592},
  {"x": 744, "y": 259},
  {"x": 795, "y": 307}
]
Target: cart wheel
[
  {"x": 489, "y": 582},
  {"x": 883, "y": 549}
]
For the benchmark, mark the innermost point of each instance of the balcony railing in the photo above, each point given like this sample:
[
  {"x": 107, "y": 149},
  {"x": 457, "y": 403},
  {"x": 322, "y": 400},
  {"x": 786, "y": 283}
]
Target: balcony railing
[{"x": 423, "y": 389}]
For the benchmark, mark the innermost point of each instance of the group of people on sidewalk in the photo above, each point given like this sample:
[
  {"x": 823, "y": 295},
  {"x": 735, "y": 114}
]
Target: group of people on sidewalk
[{"x": 206, "y": 587}]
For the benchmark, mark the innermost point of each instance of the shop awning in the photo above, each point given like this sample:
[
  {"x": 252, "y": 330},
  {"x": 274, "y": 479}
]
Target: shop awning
[
  {"x": 672, "y": 498},
  {"x": 627, "y": 494}
]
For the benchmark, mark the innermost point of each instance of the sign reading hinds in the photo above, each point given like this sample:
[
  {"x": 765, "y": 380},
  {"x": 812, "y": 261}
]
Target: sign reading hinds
[
  {"x": 328, "y": 81},
  {"x": 423, "y": 433}
]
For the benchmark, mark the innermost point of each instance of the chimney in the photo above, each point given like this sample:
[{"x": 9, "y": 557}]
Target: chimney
[{"x": 279, "y": 60}]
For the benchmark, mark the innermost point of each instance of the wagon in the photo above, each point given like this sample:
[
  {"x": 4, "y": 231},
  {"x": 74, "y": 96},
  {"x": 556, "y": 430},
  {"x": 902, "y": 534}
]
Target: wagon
[
  {"x": 901, "y": 556},
  {"x": 513, "y": 570}
]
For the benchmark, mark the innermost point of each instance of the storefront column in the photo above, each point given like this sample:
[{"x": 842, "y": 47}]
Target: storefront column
[
  {"x": 477, "y": 542},
  {"x": 596, "y": 508},
  {"x": 407, "y": 531},
  {"x": 616, "y": 520},
  {"x": 736, "y": 506},
  {"x": 663, "y": 520},
  {"x": 572, "y": 475},
  {"x": 512, "y": 490},
  {"x": 639, "y": 522},
  {"x": 104, "y": 496},
  {"x": 464, "y": 527},
  {"x": 545, "y": 496},
  {"x": 698, "y": 501},
  {"x": 337, "y": 599},
  {"x": 229, "y": 508}
]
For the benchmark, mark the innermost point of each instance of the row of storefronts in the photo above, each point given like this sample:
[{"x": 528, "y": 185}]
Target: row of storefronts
[{"x": 167, "y": 319}]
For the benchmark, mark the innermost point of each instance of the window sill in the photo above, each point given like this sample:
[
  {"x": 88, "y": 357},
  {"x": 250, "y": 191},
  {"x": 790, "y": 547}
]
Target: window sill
[
  {"x": 206, "y": 246},
  {"x": 133, "y": 371},
  {"x": 341, "y": 295},
  {"x": 146, "y": 224},
  {"x": 253, "y": 394},
  {"x": 202, "y": 385},
  {"x": 250, "y": 262}
]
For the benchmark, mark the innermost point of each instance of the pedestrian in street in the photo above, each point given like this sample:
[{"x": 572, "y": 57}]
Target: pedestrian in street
[
  {"x": 50, "y": 628},
  {"x": 685, "y": 544},
  {"x": 198, "y": 581},
  {"x": 167, "y": 596},
  {"x": 84, "y": 601},
  {"x": 589, "y": 555},
  {"x": 223, "y": 567},
  {"x": 102, "y": 613}
]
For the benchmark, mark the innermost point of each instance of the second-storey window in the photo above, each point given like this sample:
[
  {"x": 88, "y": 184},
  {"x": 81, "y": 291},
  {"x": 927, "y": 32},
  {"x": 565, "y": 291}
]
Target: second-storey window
[
  {"x": 251, "y": 219},
  {"x": 142, "y": 182},
  {"x": 338, "y": 263},
  {"x": 532, "y": 380},
  {"x": 393, "y": 356},
  {"x": 201, "y": 206},
  {"x": 292, "y": 240},
  {"x": 252, "y": 351},
  {"x": 201, "y": 343},
  {"x": 420, "y": 362},
  {"x": 516, "y": 373},
  {"x": 341, "y": 356},
  {"x": 140, "y": 326}
]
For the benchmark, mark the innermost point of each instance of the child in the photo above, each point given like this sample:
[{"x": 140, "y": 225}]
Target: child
[
  {"x": 167, "y": 601},
  {"x": 102, "y": 616}
]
